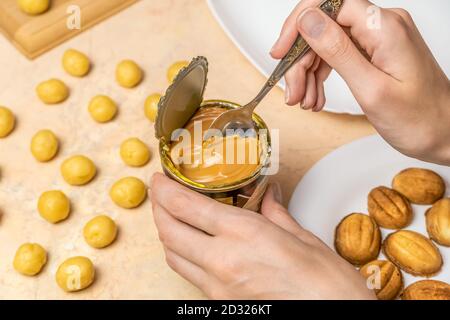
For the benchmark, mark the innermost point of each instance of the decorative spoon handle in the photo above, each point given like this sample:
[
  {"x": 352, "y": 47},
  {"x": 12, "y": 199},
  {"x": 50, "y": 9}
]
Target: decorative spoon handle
[{"x": 297, "y": 51}]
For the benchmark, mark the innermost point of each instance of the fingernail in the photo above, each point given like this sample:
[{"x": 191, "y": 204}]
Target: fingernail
[
  {"x": 152, "y": 180},
  {"x": 277, "y": 192},
  {"x": 149, "y": 194},
  {"x": 286, "y": 95},
  {"x": 150, "y": 184},
  {"x": 302, "y": 104},
  {"x": 312, "y": 23},
  {"x": 274, "y": 46}
]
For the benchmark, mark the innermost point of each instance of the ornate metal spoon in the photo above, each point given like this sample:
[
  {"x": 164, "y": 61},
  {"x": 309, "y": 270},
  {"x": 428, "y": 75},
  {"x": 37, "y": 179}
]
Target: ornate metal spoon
[{"x": 242, "y": 118}]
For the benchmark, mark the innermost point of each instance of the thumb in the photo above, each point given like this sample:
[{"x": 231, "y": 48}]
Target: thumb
[
  {"x": 334, "y": 46},
  {"x": 273, "y": 210}
]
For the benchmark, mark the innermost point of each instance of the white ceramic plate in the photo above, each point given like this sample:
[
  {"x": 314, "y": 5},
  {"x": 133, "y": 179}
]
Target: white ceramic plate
[
  {"x": 339, "y": 183},
  {"x": 254, "y": 25}
]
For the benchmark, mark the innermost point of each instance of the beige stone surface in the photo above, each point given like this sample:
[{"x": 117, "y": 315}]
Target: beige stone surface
[{"x": 153, "y": 33}]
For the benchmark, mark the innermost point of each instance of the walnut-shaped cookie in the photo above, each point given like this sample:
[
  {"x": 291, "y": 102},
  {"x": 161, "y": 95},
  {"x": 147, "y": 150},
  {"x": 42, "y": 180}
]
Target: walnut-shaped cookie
[
  {"x": 384, "y": 278},
  {"x": 358, "y": 239},
  {"x": 421, "y": 186},
  {"x": 427, "y": 290},
  {"x": 438, "y": 222},
  {"x": 389, "y": 208},
  {"x": 413, "y": 253}
]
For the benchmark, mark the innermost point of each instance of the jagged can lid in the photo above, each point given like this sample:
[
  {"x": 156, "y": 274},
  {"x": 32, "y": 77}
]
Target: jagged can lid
[{"x": 182, "y": 98}]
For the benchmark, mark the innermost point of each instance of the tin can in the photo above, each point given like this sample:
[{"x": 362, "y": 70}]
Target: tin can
[{"x": 182, "y": 99}]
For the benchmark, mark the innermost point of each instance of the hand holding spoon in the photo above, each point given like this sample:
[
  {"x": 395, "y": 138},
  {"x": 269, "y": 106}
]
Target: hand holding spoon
[{"x": 242, "y": 118}]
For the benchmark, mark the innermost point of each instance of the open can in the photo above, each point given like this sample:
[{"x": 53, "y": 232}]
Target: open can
[{"x": 182, "y": 100}]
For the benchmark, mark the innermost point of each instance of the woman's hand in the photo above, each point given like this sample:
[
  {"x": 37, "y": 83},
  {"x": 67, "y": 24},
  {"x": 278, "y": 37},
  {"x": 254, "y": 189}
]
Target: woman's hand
[
  {"x": 387, "y": 65},
  {"x": 232, "y": 253}
]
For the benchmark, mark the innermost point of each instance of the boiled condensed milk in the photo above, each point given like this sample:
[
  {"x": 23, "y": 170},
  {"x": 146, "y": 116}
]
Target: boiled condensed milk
[{"x": 228, "y": 168}]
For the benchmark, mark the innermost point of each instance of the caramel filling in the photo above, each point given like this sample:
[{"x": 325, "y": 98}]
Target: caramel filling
[{"x": 224, "y": 160}]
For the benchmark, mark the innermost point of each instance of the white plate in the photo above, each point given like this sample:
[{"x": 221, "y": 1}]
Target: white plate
[
  {"x": 339, "y": 183},
  {"x": 254, "y": 25}
]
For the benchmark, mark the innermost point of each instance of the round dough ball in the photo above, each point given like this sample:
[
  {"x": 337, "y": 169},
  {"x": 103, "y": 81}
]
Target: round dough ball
[
  {"x": 151, "y": 106},
  {"x": 100, "y": 231},
  {"x": 128, "y": 74},
  {"x": 128, "y": 192},
  {"x": 78, "y": 170},
  {"x": 7, "y": 122},
  {"x": 44, "y": 145},
  {"x": 102, "y": 108},
  {"x": 75, "y": 274},
  {"x": 134, "y": 152},
  {"x": 76, "y": 63},
  {"x": 34, "y": 7},
  {"x": 174, "y": 69},
  {"x": 30, "y": 258},
  {"x": 54, "y": 206},
  {"x": 52, "y": 91}
]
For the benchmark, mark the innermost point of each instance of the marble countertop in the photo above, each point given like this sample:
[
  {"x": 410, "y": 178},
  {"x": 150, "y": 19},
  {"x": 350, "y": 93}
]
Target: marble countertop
[{"x": 155, "y": 34}]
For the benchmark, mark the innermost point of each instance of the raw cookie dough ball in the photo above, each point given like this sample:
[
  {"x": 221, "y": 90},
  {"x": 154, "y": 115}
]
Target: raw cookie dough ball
[
  {"x": 102, "y": 108},
  {"x": 52, "y": 91},
  {"x": 34, "y": 7},
  {"x": 128, "y": 74},
  {"x": 54, "y": 206},
  {"x": 174, "y": 69},
  {"x": 75, "y": 274},
  {"x": 151, "y": 106},
  {"x": 30, "y": 258},
  {"x": 44, "y": 145},
  {"x": 438, "y": 222},
  {"x": 76, "y": 63},
  {"x": 7, "y": 122},
  {"x": 134, "y": 152},
  {"x": 78, "y": 170},
  {"x": 385, "y": 278},
  {"x": 128, "y": 192},
  {"x": 100, "y": 231}
]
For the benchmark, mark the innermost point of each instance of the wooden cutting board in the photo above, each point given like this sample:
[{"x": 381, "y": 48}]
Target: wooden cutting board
[{"x": 34, "y": 35}]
